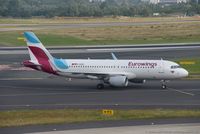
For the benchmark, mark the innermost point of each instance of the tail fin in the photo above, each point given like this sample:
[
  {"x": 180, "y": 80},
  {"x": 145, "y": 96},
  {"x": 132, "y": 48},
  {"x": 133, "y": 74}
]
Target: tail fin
[
  {"x": 36, "y": 50},
  {"x": 40, "y": 57}
]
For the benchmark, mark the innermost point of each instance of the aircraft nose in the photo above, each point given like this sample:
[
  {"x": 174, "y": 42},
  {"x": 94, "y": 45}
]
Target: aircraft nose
[{"x": 183, "y": 73}]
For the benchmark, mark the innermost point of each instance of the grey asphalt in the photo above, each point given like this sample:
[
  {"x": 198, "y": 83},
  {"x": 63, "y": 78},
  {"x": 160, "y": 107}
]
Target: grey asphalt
[
  {"x": 32, "y": 90},
  {"x": 32, "y": 93},
  {"x": 21, "y": 89},
  {"x": 145, "y": 129},
  {"x": 11, "y": 55},
  {"x": 103, "y": 124}
]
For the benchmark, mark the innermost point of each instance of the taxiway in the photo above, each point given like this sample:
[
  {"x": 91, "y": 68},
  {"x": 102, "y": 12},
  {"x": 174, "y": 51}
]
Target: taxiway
[{"x": 21, "y": 88}]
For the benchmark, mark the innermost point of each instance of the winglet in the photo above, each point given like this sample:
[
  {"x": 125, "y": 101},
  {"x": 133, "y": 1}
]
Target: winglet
[{"x": 114, "y": 57}]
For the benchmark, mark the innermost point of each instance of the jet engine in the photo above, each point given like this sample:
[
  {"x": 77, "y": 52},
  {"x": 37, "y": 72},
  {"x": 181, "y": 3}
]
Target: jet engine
[
  {"x": 118, "y": 81},
  {"x": 137, "y": 81}
]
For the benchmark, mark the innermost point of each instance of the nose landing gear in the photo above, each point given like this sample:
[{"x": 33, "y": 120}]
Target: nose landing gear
[{"x": 164, "y": 86}]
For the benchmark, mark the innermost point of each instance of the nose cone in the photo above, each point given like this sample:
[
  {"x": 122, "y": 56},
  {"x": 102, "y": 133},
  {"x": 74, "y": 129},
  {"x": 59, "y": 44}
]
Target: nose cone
[{"x": 183, "y": 73}]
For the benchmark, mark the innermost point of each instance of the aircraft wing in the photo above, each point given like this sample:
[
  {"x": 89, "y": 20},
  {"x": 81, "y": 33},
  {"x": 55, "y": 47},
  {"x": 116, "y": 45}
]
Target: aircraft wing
[{"x": 104, "y": 75}]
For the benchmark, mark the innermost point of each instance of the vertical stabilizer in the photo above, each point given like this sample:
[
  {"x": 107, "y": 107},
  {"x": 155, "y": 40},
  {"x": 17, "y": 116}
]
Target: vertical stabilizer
[
  {"x": 38, "y": 53},
  {"x": 36, "y": 50}
]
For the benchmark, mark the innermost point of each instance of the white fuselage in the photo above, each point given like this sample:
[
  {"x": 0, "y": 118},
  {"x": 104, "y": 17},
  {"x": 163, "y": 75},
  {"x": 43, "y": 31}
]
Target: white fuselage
[{"x": 133, "y": 69}]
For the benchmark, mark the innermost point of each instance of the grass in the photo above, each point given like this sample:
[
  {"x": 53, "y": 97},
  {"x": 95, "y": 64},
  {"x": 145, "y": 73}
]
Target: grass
[
  {"x": 41, "y": 117},
  {"x": 11, "y": 39},
  {"x": 159, "y": 32},
  {"x": 63, "y": 40},
  {"x": 192, "y": 68},
  {"x": 177, "y": 32}
]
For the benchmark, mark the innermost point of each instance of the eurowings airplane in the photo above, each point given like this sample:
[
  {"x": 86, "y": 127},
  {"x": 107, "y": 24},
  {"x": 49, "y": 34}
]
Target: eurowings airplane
[{"x": 115, "y": 72}]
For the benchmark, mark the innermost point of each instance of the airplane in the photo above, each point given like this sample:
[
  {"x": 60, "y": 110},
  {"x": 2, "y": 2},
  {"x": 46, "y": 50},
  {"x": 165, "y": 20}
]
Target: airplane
[{"x": 114, "y": 72}]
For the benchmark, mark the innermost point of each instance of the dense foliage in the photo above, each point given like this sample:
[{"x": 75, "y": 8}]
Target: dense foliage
[{"x": 51, "y": 8}]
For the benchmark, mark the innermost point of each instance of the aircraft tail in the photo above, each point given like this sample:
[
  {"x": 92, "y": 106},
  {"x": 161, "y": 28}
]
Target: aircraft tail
[
  {"x": 36, "y": 49},
  {"x": 40, "y": 57}
]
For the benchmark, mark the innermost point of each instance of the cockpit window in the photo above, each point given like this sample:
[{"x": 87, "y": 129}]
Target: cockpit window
[{"x": 175, "y": 66}]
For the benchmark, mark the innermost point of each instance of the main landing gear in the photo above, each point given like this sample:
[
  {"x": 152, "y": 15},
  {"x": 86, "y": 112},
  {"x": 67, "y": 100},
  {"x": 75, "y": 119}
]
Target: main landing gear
[
  {"x": 100, "y": 86},
  {"x": 164, "y": 86}
]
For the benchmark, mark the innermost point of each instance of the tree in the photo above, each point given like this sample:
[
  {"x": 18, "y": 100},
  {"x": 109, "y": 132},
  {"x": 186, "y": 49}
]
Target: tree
[{"x": 51, "y": 8}]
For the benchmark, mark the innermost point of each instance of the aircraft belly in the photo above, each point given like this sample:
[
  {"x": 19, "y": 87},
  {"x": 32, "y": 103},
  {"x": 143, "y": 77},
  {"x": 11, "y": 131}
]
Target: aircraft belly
[{"x": 72, "y": 75}]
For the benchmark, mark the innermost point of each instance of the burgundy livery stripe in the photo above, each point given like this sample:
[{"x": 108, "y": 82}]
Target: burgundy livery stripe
[
  {"x": 39, "y": 53},
  {"x": 42, "y": 59}
]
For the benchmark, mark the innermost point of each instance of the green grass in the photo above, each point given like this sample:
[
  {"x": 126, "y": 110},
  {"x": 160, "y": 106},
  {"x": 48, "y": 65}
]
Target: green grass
[
  {"x": 39, "y": 117},
  {"x": 193, "y": 68},
  {"x": 176, "y": 32},
  {"x": 10, "y": 39},
  {"x": 150, "y": 41},
  {"x": 50, "y": 39}
]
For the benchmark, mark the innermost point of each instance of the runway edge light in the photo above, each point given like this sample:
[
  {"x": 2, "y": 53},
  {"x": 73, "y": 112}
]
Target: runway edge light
[{"x": 108, "y": 112}]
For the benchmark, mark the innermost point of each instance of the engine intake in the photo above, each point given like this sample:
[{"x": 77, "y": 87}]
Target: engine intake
[{"x": 118, "y": 81}]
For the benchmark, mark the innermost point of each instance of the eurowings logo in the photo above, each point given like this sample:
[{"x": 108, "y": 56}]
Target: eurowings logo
[
  {"x": 145, "y": 64},
  {"x": 60, "y": 63}
]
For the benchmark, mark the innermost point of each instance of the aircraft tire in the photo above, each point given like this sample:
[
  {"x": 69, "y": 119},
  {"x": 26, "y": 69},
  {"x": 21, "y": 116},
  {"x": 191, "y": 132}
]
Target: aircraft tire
[
  {"x": 100, "y": 86},
  {"x": 164, "y": 86}
]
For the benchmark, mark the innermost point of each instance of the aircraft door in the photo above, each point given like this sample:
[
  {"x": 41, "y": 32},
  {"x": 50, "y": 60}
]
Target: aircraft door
[{"x": 161, "y": 67}]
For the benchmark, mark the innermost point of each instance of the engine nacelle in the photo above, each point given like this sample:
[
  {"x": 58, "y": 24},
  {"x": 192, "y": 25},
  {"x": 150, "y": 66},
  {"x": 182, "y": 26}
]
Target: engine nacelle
[
  {"x": 118, "y": 81},
  {"x": 138, "y": 81}
]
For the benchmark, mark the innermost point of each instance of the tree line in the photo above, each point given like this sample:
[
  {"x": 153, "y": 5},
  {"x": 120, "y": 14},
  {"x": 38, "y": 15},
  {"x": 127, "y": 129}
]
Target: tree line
[{"x": 80, "y": 8}]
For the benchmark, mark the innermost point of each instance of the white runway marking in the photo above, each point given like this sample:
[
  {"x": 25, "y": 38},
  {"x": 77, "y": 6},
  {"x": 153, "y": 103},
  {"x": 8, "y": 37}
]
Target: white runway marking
[
  {"x": 183, "y": 92},
  {"x": 138, "y": 49},
  {"x": 97, "y": 104},
  {"x": 98, "y": 49},
  {"x": 70, "y": 93}
]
